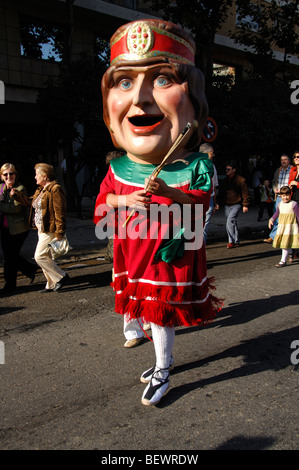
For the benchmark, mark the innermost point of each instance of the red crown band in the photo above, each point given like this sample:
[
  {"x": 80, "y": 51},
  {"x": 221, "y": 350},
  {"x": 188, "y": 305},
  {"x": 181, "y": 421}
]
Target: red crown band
[{"x": 142, "y": 41}]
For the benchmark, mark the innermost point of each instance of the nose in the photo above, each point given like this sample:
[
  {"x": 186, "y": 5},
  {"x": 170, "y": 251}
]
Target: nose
[{"x": 143, "y": 91}]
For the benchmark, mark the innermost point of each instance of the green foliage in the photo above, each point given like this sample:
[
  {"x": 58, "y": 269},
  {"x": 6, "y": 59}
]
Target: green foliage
[
  {"x": 72, "y": 102},
  {"x": 265, "y": 26},
  {"x": 202, "y": 18},
  {"x": 36, "y": 36},
  {"x": 255, "y": 117},
  {"x": 73, "y": 97}
]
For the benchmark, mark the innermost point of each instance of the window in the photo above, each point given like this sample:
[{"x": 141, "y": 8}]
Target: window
[{"x": 223, "y": 75}]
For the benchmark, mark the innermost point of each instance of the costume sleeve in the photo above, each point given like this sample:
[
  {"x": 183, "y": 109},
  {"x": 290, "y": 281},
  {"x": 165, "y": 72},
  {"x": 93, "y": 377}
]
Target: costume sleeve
[
  {"x": 107, "y": 187},
  {"x": 200, "y": 192},
  {"x": 201, "y": 185}
]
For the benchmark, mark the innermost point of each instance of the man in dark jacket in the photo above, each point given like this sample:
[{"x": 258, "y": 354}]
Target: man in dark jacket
[{"x": 234, "y": 195}]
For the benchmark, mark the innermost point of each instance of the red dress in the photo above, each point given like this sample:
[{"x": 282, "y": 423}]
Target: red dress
[{"x": 156, "y": 277}]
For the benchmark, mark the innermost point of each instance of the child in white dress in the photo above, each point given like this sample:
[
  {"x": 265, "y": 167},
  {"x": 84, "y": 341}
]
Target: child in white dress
[{"x": 287, "y": 235}]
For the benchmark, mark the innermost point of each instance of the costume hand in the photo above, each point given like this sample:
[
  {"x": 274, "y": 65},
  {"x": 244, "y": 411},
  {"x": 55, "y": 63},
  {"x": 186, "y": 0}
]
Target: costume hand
[
  {"x": 293, "y": 183},
  {"x": 157, "y": 186},
  {"x": 270, "y": 223},
  {"x": 138, "y": 200},
  {"x": 245, "y": 209}
]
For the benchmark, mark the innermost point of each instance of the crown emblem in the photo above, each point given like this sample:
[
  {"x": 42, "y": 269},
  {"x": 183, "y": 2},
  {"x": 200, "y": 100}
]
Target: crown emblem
[{"x": 140, "y": 38}]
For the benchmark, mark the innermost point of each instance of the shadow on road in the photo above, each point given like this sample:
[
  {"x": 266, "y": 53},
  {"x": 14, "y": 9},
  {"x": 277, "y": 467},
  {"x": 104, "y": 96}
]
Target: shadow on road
[
  {"x": 243, "y": 312},
  {"x": 245, "y": 443},
  {"x": 267, "y": 352},
  {"x": 241, "y": 258}
]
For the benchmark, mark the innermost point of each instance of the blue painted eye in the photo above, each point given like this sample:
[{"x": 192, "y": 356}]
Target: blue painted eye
[
  {"x": 162, "y": 81},
  {"x": 125, "y": 84}
]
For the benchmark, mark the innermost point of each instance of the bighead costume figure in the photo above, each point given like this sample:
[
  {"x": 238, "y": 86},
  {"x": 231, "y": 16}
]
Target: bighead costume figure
[{"x": 150, "y": 92}]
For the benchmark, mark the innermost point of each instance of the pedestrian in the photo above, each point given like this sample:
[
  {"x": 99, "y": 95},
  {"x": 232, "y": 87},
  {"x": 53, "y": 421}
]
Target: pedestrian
[
  {"x": 280, "y": 179},
  {"x": 294, "y": 185},
  {"x": 267, "y": 200},
  {"x": 294, "y": 177},
  {"x": 208, "y": 148},
  {"x": 14, "y": 230},
  {"x": 234, "y": 194},
  {"x": 256, "y": 182},
  {"x": 48, "y": 216},
  {"x": 287, "y": 234},
  {"x": 151, "y": 90}
]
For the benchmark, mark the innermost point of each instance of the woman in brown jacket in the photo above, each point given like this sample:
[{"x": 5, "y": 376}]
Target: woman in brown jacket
[{"x": 48, "y": 215}]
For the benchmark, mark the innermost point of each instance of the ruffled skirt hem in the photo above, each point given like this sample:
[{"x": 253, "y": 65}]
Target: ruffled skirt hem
[{"x": 168, "y": 305}]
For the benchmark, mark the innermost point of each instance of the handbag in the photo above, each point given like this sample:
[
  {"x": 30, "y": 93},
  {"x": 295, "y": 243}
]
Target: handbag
[{"x": 59, "y": 247}]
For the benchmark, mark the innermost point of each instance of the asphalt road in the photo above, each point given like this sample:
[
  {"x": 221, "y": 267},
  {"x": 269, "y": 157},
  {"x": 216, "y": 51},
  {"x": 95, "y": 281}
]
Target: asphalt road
[{"x": 68, "y": 383}]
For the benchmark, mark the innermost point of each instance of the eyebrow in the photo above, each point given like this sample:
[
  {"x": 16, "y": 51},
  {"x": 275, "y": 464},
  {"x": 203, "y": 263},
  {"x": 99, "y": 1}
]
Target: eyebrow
[
  {"x": 135, "y": 71},
  {"x": 141, "y": 68}
]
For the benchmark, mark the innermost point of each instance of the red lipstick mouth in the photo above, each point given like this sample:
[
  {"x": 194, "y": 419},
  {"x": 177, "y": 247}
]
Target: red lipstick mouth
[{"x": 146, "y": 122}]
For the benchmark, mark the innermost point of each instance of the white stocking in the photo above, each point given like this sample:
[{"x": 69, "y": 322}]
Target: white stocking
[
  {"x": 284, "y": 255},
  {"x": 163, "y": 338}
]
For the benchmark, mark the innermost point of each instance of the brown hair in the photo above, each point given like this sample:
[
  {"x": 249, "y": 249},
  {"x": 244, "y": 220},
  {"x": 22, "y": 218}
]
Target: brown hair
[
  {"x": 296, "y": 152},
  {"x": 285, "y": 190},
  {"x": 47, "y": 170}
]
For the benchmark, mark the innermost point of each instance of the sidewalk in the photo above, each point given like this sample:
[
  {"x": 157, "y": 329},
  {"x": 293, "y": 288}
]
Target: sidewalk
[
  {"x": 80, "y": 233},
  {"x": 82, "y": 238},
  {"x": 247, "y": 223}
]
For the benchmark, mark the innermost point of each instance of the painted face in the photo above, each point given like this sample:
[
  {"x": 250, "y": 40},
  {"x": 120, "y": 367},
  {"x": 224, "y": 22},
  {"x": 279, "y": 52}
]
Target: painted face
[{"x": 148, "y": 110}]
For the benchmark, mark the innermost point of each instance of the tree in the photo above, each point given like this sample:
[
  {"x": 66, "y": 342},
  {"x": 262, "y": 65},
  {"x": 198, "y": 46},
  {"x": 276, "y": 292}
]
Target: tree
[
  {"x": 255, "y": 117},
  {"x": 264, "y": 26},
  {"x": 203, "y": 18},
  {"x": 71, "y": 100},
  {"x": 72, "y": 104}
]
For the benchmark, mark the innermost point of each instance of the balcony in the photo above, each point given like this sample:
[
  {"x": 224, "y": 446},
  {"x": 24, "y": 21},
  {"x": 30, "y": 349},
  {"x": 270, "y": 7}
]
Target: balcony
[{"x": 137, "y": 5}]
